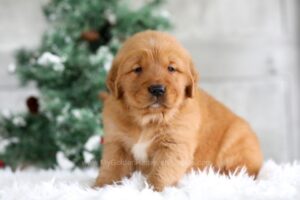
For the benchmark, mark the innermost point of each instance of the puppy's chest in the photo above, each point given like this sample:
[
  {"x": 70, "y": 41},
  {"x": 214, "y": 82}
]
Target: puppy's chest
[
  {"x": 140, "y": 147},
  {"x": 140, "y": 150}
]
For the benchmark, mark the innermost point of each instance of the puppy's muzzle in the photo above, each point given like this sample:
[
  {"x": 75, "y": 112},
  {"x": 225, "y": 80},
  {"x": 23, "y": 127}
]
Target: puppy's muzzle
[{"x": 157, "y": 90}]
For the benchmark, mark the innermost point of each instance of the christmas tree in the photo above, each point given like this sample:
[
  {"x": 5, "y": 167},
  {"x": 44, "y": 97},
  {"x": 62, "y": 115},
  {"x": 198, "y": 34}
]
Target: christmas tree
[{"x": 62, "y": 126}]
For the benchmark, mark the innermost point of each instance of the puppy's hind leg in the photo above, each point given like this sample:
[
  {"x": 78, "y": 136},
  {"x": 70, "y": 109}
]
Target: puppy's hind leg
[{"x": 240, "y": 148}]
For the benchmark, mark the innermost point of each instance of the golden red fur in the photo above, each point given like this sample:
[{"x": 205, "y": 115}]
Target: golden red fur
[{"x": 167, "y": 132}]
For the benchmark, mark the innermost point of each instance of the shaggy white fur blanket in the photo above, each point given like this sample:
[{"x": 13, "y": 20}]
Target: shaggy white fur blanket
[{"x": 274, "y": 182}]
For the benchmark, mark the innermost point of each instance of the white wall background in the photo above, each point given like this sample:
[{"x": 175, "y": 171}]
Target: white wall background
[{"x": 247, "y": 53}]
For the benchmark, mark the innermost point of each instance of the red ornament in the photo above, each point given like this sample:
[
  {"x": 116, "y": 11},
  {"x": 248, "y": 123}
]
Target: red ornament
[
  {"x": 90, "y": 36},
  {"x": 32, "y": 105},
  {"x": 2, "y": 164},
  {"x": 102, "y": 140}
]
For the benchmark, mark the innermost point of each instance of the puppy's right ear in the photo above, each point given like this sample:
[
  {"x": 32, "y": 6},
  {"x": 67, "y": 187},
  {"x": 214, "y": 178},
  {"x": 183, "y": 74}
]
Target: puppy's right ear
[{"x": 112, "y": 81}]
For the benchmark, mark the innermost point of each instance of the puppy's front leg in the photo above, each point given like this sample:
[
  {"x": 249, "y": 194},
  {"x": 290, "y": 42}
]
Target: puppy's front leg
[
  {"x": 169, "y": 164},
  {"x": 116, "y": 163}
]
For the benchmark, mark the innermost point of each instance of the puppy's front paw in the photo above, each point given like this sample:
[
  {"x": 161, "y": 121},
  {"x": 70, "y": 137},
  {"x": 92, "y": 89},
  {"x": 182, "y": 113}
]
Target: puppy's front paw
[
  {"x": 101, "y": 182},
  {"x": 156, "y": 183}
]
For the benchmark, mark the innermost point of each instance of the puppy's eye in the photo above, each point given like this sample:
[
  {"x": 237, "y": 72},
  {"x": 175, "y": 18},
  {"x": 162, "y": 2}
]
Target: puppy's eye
[
  {"x": 138, "y": 70},
  {"x": 171, "y": 68}
]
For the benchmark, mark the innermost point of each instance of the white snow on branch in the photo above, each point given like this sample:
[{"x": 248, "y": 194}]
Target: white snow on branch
[
  {"x": 48, "y": 58},
  {"x": 63, "y": 162},
  {"x": 88, "y": 157},
  {"x": 103, "y": 57},
  {"x": 19, "y": 121},
  {"x": 92, "y": 143}
]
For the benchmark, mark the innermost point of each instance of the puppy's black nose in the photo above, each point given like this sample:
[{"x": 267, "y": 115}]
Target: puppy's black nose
[{"x": 157, "y": 90}]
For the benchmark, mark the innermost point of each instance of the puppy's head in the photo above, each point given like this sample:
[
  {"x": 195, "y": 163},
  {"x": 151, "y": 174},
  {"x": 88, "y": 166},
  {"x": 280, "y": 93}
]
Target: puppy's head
[{"x": 152, "y": 73}]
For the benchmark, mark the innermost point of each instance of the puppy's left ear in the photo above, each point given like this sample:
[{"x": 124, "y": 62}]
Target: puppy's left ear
[{"x": 193, "y": 80}]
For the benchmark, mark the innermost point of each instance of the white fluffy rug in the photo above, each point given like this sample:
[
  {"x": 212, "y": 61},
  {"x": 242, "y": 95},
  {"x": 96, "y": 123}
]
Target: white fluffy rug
[{"x": 274, "y": 182}]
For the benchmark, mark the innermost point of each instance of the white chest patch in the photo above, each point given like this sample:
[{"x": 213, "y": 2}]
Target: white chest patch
[{"x": 139, "y": 150}]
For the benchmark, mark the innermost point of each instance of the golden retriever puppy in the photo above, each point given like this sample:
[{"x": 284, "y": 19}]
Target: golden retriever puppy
[{"x": 158, "y": 121}]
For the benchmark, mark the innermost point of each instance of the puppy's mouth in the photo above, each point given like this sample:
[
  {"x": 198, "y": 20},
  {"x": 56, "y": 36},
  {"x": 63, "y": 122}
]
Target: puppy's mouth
[{"x": 157, "y": 104}]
